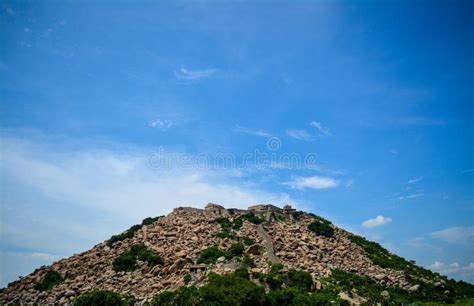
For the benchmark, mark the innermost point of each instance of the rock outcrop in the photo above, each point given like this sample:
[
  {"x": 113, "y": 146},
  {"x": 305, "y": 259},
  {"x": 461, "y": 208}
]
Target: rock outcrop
[{"x": 181, "y": 236}]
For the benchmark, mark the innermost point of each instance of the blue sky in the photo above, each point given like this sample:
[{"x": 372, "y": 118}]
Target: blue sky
[{"x": 380, "y": 93}]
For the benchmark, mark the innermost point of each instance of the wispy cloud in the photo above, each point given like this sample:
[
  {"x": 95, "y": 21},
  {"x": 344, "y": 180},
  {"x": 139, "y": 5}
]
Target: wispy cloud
[
  {"x": 414, "y": 180},
  {"x": 410, "y": 196},
  {"x": 422, "y": 242},
  {"x": 393, "y": 151},
  {"x": 162, "y": 124},
  {"x": 414, "y": 195},
  {"x": 312, "y": 182},
  {"x": 43, "y": 256},
  {"x": 452, "y": 268},
  {"x": 377, "y": 221},
  {"x": 251, "y": 131},
  {"x": 302, "y": 134},
  {"x": 194, "y": 75},
  {"x": 298, "y": 134},
  {"x": 463, "y": 235},
  {"x": 323, "y": 131},
  {"x": 467, "y": 170}
]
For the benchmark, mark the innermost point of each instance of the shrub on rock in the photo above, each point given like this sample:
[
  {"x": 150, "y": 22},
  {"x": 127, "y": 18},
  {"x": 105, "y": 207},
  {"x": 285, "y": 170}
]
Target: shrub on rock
[
  {"x": 127, "y": 261},
  {"x": 104, "y": 298},
  {"x": 210, "y": 255},
  {"x": 321, "y": 228},
  {"x": 51, "y": 279}
]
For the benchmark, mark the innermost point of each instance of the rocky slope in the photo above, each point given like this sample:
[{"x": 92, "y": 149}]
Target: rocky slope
[{"x": 180, "y": 238}]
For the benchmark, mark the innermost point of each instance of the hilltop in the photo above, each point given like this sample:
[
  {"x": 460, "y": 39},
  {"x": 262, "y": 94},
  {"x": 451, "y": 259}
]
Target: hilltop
[{"x": 278, "y": 254}]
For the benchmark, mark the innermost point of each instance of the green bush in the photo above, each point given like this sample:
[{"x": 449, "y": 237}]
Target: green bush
[
  {"x": 237, "y": 249},
  {"x": 145, "y": 254},
  {"x": 297, "y": 214},
  {"x": 125, "y": 235},
  {"x": 131, "y": 231},
  {"x": 287, "y": 296},
  {"x": 274, "y": 279},
  {"x": 248, "y": 241},
  {"x": 321, "y": 228},
  {"x": 127, "y": 261},
  {"x": 187, "y": 278},
  {"x": 299, "y": 279},
  {"x": 225, "y": 234},
  {"x": 230, "y": 290},
  {"x": 238, "y": 222},
  {"x": 241, "y": 272},
  {"x": 210, "y": 255},
  {"x": 248, "y": 261},
  {"x": 184, "y": 296},
  {"x": 224, "y": 223},
  {"x": 51, "y": 279},
  {"x": 149, "y": 220},
  {"x": 104, "y": 298},
  {"x": 165, "y": 298}
]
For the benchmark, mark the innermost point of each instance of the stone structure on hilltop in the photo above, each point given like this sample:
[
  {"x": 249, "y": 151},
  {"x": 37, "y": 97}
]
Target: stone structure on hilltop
[{"x": 215, "y": 209}]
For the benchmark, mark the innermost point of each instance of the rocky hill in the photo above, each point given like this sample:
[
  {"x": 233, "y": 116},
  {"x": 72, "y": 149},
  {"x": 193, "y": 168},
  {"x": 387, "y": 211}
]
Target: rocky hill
[{"x": 276, "y": 246}]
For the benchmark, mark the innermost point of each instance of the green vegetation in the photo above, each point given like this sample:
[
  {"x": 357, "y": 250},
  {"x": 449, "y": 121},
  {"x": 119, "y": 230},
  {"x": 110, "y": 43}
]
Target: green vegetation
[
  {"x": 127, "y": 261},
  {"x": 104, "y": 298},
  {"x": 248, "y": 261},
  {"x": 382, "y": 257},
  {"x": 237, "y": 249},
  {"x": 227, "y": 226},
  {"x": 298, "y": 214},
  {"x": 238, "y": 289},
  {"x": 248, "y": 241},
  {"x": 368, "y": 288},
  {"x": 210, "y": 255},
  {"x": 294, "y": 288},
  {"x": 187, "y": 278},
  {"x": 149, "y": 220},
  {"x": 131, "y": 231},
  {"x": 299, "y": 279},
  {"x": 321, "y": 228},
  {"x": 51, "y": 279}
]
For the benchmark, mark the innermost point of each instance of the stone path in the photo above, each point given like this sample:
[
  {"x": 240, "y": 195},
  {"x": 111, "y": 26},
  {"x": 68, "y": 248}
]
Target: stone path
[{"x": 268, "y": 244}]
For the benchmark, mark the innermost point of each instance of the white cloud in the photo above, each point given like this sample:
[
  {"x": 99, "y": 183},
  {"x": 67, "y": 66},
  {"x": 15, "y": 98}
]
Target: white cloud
[
  {"x": 312, "y": 182},
  {"x": 161, "y": 124},
  {"x": 377, "y": 221},
  {"x": 194, "y": 75},
  {"x": 43, "y": 256},
  {"x": 323, "y": 131},
  {"x": 299, "y": 134},
  {"x": 410, "y": 196},
  {"x": 463, "y": 235},
  {"x": 452, "y": 268},
  {"x": 421, "y": 242},
  {"x": 251, "y": 131},
  {"x": 414, "y": 180}
]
